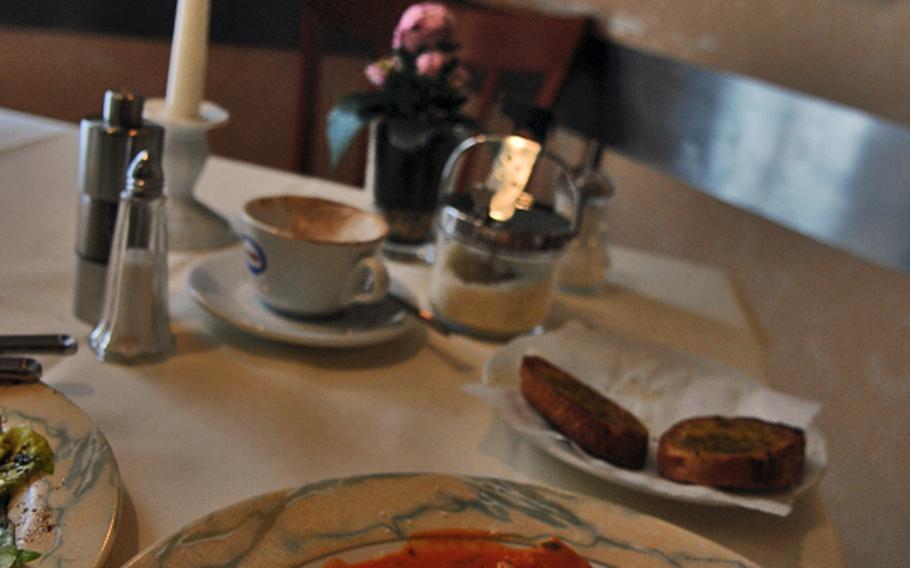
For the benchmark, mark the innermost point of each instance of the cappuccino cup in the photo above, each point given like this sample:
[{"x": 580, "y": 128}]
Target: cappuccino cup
[{"x": 313, "y": 257}]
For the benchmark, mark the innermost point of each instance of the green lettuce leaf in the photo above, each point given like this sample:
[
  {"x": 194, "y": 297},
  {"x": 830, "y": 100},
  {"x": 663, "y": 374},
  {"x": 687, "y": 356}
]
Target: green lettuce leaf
[
  {"x": 24, "y": 453},
  {"x": 10, "y": 555}
]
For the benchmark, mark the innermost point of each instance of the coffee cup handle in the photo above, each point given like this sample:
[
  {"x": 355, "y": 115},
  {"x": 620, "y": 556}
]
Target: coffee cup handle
[{"x": 370, "y": 269}]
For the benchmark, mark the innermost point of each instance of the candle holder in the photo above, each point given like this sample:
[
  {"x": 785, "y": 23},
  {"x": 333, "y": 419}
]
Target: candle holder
[{"x": 191, "y": 224}]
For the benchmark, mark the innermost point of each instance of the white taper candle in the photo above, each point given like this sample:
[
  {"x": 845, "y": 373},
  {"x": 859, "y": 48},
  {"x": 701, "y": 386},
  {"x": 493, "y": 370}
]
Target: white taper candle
[{"x": 186, "y": 75}]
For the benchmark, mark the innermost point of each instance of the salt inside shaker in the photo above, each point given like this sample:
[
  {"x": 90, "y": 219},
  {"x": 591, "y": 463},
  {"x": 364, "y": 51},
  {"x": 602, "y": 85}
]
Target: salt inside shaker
[
  {"x": 135, "y": 324},
  {"x": 508, "y": 209}
]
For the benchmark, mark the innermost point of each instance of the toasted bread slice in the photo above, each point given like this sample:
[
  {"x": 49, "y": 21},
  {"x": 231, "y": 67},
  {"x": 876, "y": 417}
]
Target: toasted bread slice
[
  {"x": 598, "y": 425},
  {"x": 732, "y": 453}
]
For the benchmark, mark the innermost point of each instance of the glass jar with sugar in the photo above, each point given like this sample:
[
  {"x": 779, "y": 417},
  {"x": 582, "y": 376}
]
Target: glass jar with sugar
[{"x": 509, "y": 208}]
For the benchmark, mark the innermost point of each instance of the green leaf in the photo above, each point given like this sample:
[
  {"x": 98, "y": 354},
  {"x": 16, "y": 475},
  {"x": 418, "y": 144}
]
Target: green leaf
[
  {"x": 342, "y": 126},
  {"x": 10, "y": 555},
  {"x": 24, "y": 453},
  {"x": 28, "y": 556},
  {"x": 12, "y": 558},
  {"x": 28, "y": 454}
]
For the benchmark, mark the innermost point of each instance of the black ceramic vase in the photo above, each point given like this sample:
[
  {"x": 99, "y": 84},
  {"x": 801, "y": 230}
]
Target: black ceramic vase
[{"x": 405, "y": 163}]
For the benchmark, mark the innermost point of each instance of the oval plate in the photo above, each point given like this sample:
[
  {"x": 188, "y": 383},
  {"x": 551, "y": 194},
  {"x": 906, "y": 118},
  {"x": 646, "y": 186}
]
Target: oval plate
[{"x": 362, "y": 517}]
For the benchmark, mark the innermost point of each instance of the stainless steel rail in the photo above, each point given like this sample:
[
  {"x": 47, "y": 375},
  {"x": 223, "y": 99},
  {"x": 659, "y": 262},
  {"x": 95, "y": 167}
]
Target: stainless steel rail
[{"x": 833, "y": 173}]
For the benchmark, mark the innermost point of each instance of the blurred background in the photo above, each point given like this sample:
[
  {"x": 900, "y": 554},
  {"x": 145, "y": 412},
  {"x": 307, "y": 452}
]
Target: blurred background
[
  {"x": 827, "y": 317},
  {"x": 58, "y": 57}
]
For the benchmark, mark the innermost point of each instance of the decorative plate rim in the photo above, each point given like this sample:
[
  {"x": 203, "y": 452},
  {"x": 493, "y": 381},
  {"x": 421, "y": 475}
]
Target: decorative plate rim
[
  {"x": 517, "y": 512},
  {"x": 102, "y": 451}
]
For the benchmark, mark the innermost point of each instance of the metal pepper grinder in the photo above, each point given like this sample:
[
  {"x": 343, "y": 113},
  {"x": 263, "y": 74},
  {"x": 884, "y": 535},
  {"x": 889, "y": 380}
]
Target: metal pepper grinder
[{"x": 107, "y": 145}]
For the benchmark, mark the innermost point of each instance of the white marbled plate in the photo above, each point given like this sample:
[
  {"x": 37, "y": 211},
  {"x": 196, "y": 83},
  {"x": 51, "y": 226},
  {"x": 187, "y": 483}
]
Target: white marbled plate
[
  {"x": 361, "y": 517},
  {"x": 69, "y": 517}
]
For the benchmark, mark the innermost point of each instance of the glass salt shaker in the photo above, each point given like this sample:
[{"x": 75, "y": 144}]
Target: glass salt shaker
[
  {"x": 508, "y": 210},
  {"x": 586, "y": 261},
  {"x": 135, "y": 324}
]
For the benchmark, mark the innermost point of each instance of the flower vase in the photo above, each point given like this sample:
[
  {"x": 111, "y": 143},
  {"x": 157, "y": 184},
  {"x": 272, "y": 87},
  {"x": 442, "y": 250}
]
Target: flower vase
[{"x": 405, "y": 160}]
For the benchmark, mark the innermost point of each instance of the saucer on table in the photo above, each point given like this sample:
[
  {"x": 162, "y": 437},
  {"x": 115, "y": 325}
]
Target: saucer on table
[{"x": 220, "y": 284}]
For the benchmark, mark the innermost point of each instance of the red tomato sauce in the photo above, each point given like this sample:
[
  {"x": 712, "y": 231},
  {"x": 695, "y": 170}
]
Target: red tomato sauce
[{"x": 457, "y": 549}]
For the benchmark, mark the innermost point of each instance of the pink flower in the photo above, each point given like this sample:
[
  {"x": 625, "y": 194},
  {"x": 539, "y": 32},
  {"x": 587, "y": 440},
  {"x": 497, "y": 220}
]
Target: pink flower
[
  {"x": 376, "y": 74},
  {"x": 430, "y": 63},
  {"x": 378, "y": 71},
  {"x": 424, "y": 26}
]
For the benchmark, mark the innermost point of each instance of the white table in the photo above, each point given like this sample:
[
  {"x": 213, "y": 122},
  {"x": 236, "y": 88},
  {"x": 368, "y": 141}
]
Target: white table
[{"x": 232, "y": 415}]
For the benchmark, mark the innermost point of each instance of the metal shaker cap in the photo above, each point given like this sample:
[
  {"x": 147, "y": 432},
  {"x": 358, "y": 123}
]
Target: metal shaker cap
[
  {"x": 143, "y": 177},
  {"x": 538, "y": 228},
  {"x": 123, "y": 109},
  {"x": 108, "y": 143}
]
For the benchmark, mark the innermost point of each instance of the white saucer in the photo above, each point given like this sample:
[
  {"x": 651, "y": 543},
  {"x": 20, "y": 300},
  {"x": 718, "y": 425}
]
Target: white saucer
[{"x": 221, "y": 285}]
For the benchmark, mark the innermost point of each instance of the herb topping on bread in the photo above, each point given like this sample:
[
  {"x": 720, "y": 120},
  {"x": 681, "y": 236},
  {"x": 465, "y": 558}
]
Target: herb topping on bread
[
  {"x": 597, "y": 424},
  {"x": 732, "y": 453}
]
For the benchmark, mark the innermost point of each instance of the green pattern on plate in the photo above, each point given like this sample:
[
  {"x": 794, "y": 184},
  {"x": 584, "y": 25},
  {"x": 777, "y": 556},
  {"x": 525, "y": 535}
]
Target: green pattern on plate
[{"x": 358, "y": 517}]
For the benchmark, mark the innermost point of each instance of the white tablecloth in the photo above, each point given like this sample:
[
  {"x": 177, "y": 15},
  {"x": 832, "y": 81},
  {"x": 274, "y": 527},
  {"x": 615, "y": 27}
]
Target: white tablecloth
[
  {"x": 232, "y": 416},
  {"x": 20, "y": 129}
]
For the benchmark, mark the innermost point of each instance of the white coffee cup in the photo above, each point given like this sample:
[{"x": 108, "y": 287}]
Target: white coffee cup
[{"x": 311, "y": 256}]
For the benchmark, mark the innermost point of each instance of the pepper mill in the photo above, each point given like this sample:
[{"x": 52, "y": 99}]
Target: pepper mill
[
  {"x": 107, "y": 144},
  {"x": 135, "y": 324}
]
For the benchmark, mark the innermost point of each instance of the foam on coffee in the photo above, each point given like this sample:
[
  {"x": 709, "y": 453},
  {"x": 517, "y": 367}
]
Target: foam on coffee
[{"x": 318, "y": 220}]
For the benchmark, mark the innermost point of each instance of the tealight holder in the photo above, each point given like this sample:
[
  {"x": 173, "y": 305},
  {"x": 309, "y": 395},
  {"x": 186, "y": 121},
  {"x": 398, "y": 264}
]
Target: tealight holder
[{"x": 191, "y": 224}]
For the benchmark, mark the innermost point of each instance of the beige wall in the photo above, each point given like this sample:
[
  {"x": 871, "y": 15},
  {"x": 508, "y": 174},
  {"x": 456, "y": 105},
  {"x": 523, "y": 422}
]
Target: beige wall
[
  {"x": 64, "y": 75},
  {"x": 856, "y": 52}
]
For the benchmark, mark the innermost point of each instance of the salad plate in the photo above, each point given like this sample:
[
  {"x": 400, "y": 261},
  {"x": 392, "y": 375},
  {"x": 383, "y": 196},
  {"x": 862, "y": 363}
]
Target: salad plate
[
  {"x": 220, "y": 284},
  {"x": 661, "y": 387},
  {"x": 358, "y": 518},
  {"x": 69, "y": 517}
]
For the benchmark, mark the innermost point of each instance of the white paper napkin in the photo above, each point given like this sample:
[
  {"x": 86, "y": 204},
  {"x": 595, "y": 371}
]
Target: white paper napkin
[{"x": 660, "y": 386}]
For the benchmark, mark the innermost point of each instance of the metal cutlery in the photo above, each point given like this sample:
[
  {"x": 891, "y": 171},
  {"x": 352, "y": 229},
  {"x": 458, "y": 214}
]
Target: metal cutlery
[
  {"x": 425, "y": 316},
  {"x": 19, "y": 370},
  {"x": 44, "y": 343},
  {"x": 25, "y": 370}
]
